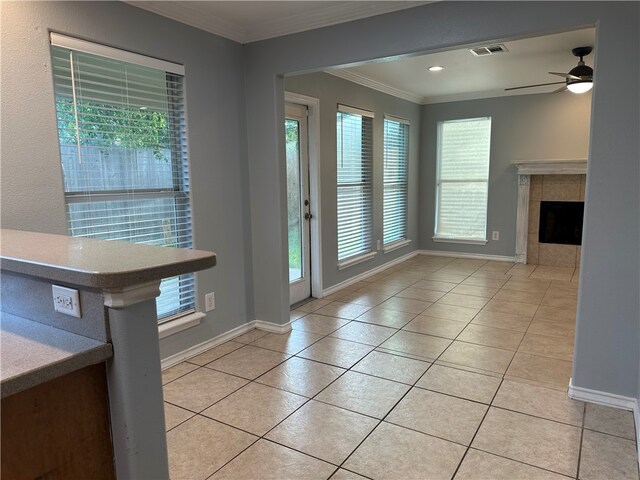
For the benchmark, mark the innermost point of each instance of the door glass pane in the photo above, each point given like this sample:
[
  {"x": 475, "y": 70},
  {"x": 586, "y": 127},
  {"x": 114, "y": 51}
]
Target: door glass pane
[{"x": 294, "y": 201}]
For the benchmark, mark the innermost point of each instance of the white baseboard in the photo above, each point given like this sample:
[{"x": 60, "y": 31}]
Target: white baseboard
[
  {"x": 204, "y": 346},
  {"x": 272, "y": 327},
  {"x": 369, "y": 273},
  {"x": 609, "y": 400},
  {"x": 475, "y": 256},
  {"x": 602, "y": 398},
  {"x": 220, "y": 339}
]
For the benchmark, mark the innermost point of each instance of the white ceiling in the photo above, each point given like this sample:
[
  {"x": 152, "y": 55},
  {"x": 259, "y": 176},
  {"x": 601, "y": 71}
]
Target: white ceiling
[
  {"x": 250, "y": 21},
  {"x": 467, "y": 77}
]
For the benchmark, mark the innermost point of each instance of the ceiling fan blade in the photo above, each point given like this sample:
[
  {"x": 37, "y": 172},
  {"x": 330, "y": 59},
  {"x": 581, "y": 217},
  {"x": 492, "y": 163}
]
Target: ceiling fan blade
[
  {"x": 531, "y": 86},
  {"x": 566, "y": 75},
  {"x": 561, "y": 89}
]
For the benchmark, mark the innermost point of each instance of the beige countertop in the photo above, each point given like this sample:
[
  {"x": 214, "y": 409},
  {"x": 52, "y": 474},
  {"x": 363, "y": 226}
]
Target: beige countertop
[
  {"x": 95, "y": 263},
  {"x": 34, "y": 353}
]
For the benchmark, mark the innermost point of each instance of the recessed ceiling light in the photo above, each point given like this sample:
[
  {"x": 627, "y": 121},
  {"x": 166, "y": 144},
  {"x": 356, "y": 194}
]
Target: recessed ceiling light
[{"x": 436, "y": 68}]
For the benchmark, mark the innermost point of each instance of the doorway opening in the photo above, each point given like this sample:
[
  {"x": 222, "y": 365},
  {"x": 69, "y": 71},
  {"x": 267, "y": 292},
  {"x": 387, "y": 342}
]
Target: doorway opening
[{"x": 303, "y": 197}]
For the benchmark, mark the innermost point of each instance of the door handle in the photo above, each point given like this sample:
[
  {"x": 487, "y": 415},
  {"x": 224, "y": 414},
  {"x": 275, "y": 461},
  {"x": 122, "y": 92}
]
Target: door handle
[{"x": 307, "y": 216}]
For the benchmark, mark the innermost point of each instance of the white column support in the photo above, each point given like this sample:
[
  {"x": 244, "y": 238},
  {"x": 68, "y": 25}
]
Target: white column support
[
  {"x": 522, "y": 219},
  {"x": 135, "y": 383}
]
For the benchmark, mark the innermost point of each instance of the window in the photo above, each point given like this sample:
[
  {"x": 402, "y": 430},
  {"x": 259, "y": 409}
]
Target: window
[
  {"x": 122, "y": 135},
  {"x": 463, "y": 180},
  {"x": 355, "y": 182},
  {"x": 396, "y": 157}
]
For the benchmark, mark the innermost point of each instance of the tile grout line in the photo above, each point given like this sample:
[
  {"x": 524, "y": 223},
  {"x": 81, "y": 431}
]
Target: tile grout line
[
  {"x": 391, "y": 409},
  {"x": 477, "y": 429},
  {"x": 584, "y": 417},
  {"x": 411, "y": 386}
]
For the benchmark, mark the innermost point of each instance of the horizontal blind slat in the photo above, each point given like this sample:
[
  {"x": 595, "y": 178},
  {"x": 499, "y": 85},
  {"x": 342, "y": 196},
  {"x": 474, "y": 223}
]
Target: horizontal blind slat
[
  {"x": 395, "y": 177},
  {"x": 463, "y": 177},
  {"x": 122, "y": 135},
  {"x": 354, "y": 183}
]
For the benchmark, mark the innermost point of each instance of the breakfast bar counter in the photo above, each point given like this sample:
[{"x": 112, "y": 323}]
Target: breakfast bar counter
[
  {"x": 81, "y": 383},
  {"x": 34, "y": 353}
]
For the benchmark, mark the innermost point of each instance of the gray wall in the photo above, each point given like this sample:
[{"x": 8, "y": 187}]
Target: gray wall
[
  {"x": 32, "y": 194},
  {"x": 224, "y": 167},
  {"x": 524, "y": 127},
  {"x": 331, "y": 90},
  {"x": 607, "y": 350}
]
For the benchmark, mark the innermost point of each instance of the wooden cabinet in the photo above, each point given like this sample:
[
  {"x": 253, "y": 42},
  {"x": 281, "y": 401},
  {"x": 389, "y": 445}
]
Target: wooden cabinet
[{"x": 59, "y": 429}]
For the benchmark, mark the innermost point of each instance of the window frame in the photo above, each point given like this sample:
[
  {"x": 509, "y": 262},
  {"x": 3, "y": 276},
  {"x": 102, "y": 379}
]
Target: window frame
[
  {"x": 402, "y": 241},
  {"x": 180, "y": 192},
  {"x": 368, "y": 252},
  {"x": 460, "y": 240}
]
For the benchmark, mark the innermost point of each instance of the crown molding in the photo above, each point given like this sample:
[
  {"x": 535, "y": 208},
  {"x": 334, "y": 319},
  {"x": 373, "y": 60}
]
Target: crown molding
[
  {"x": 334, "y": 13},
  {"x": 376, "y": 85},
  {"x": 185, "y": 12}
]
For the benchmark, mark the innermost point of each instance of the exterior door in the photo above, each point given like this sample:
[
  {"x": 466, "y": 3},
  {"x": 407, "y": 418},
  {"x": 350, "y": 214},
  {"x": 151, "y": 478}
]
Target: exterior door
[{"x": 296, "y": 141}]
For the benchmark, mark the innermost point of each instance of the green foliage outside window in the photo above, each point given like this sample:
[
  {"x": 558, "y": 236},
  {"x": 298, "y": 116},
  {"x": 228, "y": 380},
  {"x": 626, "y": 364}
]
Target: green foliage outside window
[{"x": 104, "y": 126}]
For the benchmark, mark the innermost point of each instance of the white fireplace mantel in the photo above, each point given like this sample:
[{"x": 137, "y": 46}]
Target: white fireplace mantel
[
  {"x": 576, "y": 166},
  {"x": 526, "y": 168}
]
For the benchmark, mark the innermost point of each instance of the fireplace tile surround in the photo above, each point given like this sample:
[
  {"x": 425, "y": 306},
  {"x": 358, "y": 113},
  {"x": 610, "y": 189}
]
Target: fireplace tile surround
[{"x": 546, "y": 180}]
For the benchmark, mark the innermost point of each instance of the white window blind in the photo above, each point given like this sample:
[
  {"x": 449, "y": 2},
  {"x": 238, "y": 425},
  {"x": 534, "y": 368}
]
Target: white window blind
[
  {"x": 354, "y": 181},
  {"x": 463, "y": 179},
  {"x": 396, "y": 157},
  {"x": 122, "y": 136}
]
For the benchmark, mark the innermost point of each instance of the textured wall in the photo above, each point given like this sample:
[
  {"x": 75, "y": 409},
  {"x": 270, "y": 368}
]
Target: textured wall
[{"x": 32, "y": 192}]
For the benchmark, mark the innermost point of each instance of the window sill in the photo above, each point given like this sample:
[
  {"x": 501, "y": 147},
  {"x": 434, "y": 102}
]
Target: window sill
[
  {"x": 395, "y": 245},
  {"x": 465, "y": 241},
  {"x": 355, "y": 260},
  {"x": 179, "y": 324}
]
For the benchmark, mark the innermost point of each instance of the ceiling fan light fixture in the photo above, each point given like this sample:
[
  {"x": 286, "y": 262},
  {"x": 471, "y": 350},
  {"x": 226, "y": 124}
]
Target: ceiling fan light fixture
[
  {"x": 436, "y": 68},
  {"x": 580, "y": 86},
  {"x": 582, "y": 74}
]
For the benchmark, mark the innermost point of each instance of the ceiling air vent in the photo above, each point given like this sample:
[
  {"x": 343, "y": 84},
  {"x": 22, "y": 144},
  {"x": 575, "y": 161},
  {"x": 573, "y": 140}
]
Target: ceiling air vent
[{"x": 488, "y": 50}]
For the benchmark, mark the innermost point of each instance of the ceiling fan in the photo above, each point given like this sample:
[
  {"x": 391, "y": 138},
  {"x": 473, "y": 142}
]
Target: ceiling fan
[{"x": 578, "y": 80}]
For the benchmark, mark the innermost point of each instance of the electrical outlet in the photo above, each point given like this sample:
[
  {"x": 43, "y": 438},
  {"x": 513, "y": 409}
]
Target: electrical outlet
[
  {"x": 495, "y": 235},
  {"x": 209, "y": 302},
  {"x": 66, "y": 300},
  {"x": 378, "y": 244}
]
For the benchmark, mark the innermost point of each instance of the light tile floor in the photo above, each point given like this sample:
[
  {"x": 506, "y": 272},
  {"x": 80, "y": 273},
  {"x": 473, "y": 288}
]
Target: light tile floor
[{"x": 435, "y": 368}]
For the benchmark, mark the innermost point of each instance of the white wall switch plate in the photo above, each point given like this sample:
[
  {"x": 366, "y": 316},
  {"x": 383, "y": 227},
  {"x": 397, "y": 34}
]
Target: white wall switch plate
[
  {"x": 495, "y": 235},
  {"x": 66, "y": 300},
  {"x": 378, "y": 244},
  {"x": 209, "y": 302}
]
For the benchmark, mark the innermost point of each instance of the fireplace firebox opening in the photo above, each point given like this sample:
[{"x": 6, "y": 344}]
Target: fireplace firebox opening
[{"x": 561, "y": 222}]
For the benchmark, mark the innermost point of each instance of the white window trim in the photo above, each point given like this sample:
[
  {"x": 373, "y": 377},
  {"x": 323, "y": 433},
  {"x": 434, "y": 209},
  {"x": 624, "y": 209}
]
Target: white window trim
[
  {"x": 465, "y": 241},
  {"x": 359, "y": 257},
  {"x": 349, "y": 262},
  {"x": 356, "y": 111},
  {"x": 396, "y": 245},
  {"x": 114, "y": 53},
  {"x": 389, "y": 247},
  {"x": 181, "y": 320},
  {"x": 179, "y": 324},
  {"x": 397, "y": 119}
]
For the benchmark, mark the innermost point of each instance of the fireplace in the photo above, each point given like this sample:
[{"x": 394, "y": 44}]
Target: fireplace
[
  {"x": 559, "y": 183},
  {"x": 561, "y": 222}
]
